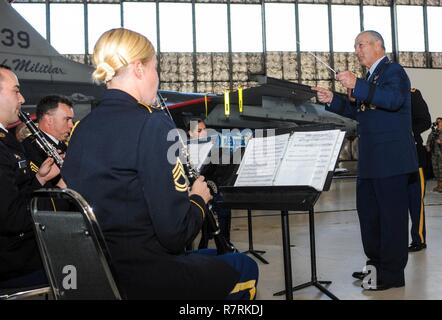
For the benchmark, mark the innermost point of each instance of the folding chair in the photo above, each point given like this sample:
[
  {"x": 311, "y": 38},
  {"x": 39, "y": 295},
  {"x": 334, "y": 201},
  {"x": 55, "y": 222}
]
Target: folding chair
[
  {"x": 72, "y": 246},
  {"x": 25, "y": 293}
]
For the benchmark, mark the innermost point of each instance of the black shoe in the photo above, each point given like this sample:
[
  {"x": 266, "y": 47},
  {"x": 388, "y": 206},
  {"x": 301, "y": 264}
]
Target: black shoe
[
  {"x": 414, "y": 247},
  {"x": 359, "y": 275},
  {"x": 383, "y": 286}
]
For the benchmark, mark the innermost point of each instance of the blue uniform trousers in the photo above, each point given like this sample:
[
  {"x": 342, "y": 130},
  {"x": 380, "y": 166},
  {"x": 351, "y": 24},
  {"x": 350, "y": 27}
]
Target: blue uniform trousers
[
  {"x": 416, "y": 194},
  {"x": 383, "y": 214},
  {"x": 245, "y": 288}
]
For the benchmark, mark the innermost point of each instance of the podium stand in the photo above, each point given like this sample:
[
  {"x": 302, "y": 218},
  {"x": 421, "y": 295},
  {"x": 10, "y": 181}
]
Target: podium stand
[{"x": 283, "y": 199}]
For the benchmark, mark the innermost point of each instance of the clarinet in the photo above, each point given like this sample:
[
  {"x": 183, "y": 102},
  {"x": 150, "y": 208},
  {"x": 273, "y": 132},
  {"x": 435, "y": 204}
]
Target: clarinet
[
  {"x": 42, "y": 142},
  {"x": 222, "y": 246}
]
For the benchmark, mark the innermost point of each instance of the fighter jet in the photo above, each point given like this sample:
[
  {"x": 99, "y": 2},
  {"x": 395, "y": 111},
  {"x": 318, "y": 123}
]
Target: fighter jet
[
  {"x": 272, "y": 103},
  {"x": 40, "y": 68},
  {"x": 43, "y": 71}
]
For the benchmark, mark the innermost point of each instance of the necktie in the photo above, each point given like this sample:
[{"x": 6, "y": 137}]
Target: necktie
[{"x": 367, "y": 76}]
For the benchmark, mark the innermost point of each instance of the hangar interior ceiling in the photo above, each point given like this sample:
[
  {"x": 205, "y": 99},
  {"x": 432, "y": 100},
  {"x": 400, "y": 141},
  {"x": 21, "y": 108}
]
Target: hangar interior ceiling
[
  {"x": 353, "y": 2},
  {"x": 214, "y": 72}
]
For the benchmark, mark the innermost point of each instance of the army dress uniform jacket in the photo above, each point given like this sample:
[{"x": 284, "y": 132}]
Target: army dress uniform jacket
[
  {"x": 383, "y": 111},
  {"x": 118, "y": 161},
  {"x": 19, "y": 253},
  {"x": 421, "y": 122},
  {"x": 37, "y": 156}
]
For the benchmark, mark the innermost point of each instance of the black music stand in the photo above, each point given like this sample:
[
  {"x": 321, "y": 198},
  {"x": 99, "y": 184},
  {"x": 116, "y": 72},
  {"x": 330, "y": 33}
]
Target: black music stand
[
  {"x": 284, "y": 199},
  {"x": 256, "y": 253}
]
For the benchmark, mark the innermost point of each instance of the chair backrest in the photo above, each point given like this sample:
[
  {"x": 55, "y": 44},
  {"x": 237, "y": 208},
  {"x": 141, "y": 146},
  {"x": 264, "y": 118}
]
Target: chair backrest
[{"x": 72, "y": 246}]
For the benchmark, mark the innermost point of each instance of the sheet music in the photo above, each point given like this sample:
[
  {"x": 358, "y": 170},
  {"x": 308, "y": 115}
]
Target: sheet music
[
  {"x": 337, "y": 150},
  {"x": 261, "y": 160},
  {"x": 307, "y": 159},
  {"x": 198, "y": 153},
  {"x": 241, "y": 165}
]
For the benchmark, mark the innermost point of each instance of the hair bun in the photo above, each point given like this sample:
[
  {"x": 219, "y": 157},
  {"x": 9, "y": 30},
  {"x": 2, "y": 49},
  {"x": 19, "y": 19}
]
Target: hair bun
[{"x": 104, "y": 72}]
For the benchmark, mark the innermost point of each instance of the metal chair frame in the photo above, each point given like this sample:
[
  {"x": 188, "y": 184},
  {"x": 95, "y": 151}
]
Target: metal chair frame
[{"x": 93, "y": 230}]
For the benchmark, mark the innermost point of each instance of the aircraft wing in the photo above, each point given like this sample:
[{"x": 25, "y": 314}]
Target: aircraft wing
[
  {"x": 271, "y": 87},
  {"x": 41, "y": 70},
  {"x": 30, "y": 56},
  {"x": 273, "y": 103}
]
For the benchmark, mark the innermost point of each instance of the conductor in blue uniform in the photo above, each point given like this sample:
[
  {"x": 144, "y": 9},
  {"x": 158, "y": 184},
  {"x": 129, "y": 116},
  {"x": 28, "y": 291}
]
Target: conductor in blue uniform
[
  {"x": 381, "y": 104},
  {"x": 119, "y": 160}
]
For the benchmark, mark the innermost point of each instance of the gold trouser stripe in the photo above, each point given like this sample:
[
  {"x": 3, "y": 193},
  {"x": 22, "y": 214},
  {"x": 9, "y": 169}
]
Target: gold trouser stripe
[
  {"x": 248, "y": 285},
  {"x": 421, "y": 216},
  {"x": 252, "y": 293},
  {"x": 197, "y": 204}
]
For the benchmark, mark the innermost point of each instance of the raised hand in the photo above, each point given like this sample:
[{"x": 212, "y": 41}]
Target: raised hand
[
  {"x": 324, "y": 95},
  {"x": 347, "y": 79}
]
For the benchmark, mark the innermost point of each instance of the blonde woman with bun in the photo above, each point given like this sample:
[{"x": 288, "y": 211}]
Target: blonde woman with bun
[{"x": 117, "y": 159}]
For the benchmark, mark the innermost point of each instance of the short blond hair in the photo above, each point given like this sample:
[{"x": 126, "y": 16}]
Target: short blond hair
[{"x": 115, "y": 49}]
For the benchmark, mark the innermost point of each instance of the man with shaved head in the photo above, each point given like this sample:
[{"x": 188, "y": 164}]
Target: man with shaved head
[{"x": 381, "y": 104}]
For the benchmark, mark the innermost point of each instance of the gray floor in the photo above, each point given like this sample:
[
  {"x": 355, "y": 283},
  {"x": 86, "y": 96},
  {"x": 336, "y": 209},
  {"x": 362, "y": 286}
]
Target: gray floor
[{"x": 338, "y": 249}]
